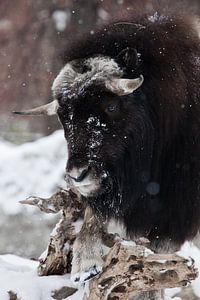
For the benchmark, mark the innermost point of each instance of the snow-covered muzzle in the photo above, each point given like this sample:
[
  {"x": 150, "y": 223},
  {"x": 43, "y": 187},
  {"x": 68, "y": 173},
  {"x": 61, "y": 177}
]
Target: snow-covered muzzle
[
  {"x": 84, "y": 180},
  {"x": 85, "y": 169}
]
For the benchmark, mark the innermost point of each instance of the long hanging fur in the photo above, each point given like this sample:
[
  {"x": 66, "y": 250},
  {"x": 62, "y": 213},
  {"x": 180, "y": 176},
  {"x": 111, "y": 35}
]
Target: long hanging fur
[{"x": 155, "y": 179}]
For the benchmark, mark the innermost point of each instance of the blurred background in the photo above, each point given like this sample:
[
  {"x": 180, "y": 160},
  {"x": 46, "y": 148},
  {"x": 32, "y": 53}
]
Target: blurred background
[
  {"x": 33, "y": 153},
  {"x": 33, "y": 36}
]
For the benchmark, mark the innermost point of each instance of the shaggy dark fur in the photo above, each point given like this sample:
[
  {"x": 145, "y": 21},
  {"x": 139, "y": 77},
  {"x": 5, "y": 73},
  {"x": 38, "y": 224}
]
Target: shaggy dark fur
[{"x": 151, "y": 150}]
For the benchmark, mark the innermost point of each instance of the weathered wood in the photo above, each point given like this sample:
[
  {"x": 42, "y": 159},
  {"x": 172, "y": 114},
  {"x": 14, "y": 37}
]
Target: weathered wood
[
  {"x": 63, "y": 199},
  {"x": 131, "y": 269},
  {"x": 12, "y": 296},
  {"x": 57, "y": 258}
]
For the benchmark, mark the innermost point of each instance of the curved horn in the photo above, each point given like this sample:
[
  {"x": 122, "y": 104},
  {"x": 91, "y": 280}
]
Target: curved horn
[
  {"x": 66, "y": 76},
  {"x": 49, "y": 109},
  {"x": 122, "y": 86}
]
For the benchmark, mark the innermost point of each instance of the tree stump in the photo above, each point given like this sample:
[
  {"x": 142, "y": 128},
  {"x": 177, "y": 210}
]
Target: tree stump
[{"x": 131, "y": 270}]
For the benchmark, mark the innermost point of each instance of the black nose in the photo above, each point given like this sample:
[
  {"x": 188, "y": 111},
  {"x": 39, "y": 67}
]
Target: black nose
[{"x": 81, "y": 176}]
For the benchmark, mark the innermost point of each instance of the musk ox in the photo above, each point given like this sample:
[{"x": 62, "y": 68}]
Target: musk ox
[{"x": 128, "y": 99}]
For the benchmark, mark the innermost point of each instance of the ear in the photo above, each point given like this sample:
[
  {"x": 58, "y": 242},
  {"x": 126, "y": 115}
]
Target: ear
[{"x": 128, "y": 58}]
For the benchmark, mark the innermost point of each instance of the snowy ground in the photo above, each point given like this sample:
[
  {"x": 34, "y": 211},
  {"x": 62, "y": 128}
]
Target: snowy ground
[
  {"x": 36, "y": 169},
  {"x": 19, "y": 275},
  {"x": 30, "y": 169}
]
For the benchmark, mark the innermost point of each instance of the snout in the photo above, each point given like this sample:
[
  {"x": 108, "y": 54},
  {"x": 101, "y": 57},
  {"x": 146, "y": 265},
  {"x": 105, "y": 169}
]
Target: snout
[
  {"x": 83, "y": 179},
  {"x": 79, "y": 174}
]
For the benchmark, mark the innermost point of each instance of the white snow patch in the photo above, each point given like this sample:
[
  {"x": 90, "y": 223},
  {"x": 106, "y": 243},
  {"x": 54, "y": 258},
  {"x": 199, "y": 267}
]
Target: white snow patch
[
  {"x": 20, "y": 276},
  {"x": 128, "y": 243},
  {"x": 35, "y": 168},
  {"x": 161, "y": 261},
  {"x": 54, "y": 231},
  {"x": 189, "y": 250},
  {"x": 77, "y": 225},
  {"x": 156, "y": 17},
  {"x": 170, "y": 293},
  {"x": 147, "y": 252},
  {"x": 43, "y": 255},
  {"x": 91, "y": 120},
  {"x": 174, "y": 298}
]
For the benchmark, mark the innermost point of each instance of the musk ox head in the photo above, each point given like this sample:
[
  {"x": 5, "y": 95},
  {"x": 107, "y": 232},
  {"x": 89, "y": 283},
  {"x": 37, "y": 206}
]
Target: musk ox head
[
  {"x": 103, "y": 121},
  {"x": 90, "y": 94}
]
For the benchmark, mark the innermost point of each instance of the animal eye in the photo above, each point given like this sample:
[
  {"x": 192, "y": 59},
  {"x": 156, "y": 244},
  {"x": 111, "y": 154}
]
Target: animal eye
[{"x": 112, "y": 108}]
